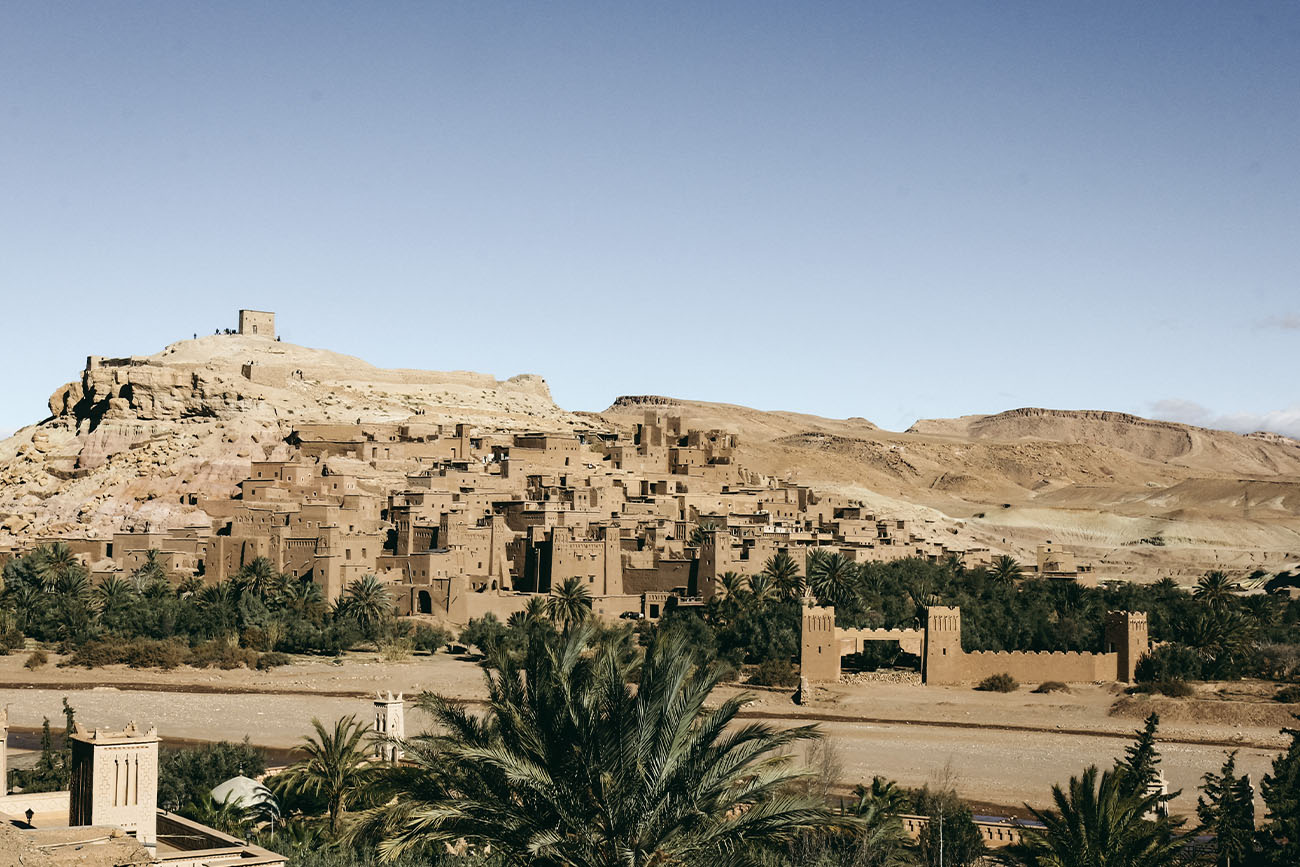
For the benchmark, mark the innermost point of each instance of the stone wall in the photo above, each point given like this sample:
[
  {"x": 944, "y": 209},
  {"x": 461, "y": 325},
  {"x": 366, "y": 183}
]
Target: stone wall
[{"x": 944, "y": 662}]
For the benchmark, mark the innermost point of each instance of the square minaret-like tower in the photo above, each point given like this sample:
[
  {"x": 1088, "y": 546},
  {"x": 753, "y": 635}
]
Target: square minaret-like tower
[
  {"x": 115, "y": 780},
  {"x": 390, "y": 722}
]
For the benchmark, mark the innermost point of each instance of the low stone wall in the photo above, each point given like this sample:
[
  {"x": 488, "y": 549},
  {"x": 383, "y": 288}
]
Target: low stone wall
[{"x": 996, "y": 832}]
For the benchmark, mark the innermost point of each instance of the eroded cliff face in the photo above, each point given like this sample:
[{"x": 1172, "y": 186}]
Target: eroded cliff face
[{"x": 141, "y": 441}]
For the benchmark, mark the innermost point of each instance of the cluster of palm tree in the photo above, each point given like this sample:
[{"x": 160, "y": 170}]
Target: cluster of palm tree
[
  {"x": 48, "y": 595},
  {"x": 572, "y": 764}
]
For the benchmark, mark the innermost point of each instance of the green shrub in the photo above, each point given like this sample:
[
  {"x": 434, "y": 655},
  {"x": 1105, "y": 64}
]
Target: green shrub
[
  {"x": 267, "y": 661},
  {"x": 1170, "y": 662},
  {"x": 1289, "y": 694},
  {"x": 431, "y": 639},
  {"x": 137, "y": 653},
  {"x": 219, "y": 653},
  {"x": 1052, "y": 686},
  {"x": 35, "y": 660},
  {"x": 483, "y": 632},
  {"x": 998, "y": 683},
  {"x": 1172, "y": 688},
  {"x": 775, "y": 672}
]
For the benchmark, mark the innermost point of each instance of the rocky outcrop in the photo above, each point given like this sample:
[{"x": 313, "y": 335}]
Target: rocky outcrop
[{"x": 144, "y": 440}]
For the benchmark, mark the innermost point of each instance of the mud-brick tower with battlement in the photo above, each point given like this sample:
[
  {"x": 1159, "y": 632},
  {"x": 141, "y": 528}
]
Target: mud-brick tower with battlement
[
  {"x": 944, "y": 662},
  {"x": 115, "y": 781},
  {"x": 1127, "y": 637}
]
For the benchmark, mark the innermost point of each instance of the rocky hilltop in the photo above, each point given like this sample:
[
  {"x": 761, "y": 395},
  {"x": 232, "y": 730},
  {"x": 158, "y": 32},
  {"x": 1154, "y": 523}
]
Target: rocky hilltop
[
  {"x": 136, "y": 443},
  {"x": 1136, "y": 496},
  {"x": 134, "y": 440}
]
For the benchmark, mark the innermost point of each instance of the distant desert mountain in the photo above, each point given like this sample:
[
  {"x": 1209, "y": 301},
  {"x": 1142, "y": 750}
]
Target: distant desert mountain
[
  {"x": 1138, "y": 496},
  {"x": 1161, "y": 441},
  {"x": 754, "y": 422}
]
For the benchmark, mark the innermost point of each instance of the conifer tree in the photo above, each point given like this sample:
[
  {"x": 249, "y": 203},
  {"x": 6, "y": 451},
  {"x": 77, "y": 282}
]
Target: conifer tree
[
  {"x": 1281, "y": 791},
  {"x": 1227, "y": 810},
  {"x": 1138, "y": 767}
]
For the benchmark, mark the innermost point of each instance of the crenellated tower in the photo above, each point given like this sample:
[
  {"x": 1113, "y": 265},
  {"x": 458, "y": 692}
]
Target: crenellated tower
[{"x": 1127, "y": 636}]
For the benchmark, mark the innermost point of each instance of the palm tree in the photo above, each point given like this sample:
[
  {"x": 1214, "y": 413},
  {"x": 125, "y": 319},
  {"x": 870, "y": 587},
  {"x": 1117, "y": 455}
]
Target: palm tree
[
  {"x": 1098, "y": 826},
  {"x": 188, "y": 586},
  {"x": 303, "y": 598},
  {"x": 1166, "y": 588},
  {"x": 701, "y": 533},
  {"x": 334, "y": 768},
  {"x": 732, "y": 584},
  {"x": 784, "y": 572},
  {"x": 366, "y": 601},
  {"x": 533, "y": 612},
  {"x": 258, "y": 577},
  {"x": 219, "y": 604},
  {"x": 226, "y": 816},
  {"x": 73, "y": 585},
  {"x": 879, "y": 808},
  {"x": 761, "y": 589},
  {"x": 571, "y": 765},
  {"x": 53, "y": 562},
  {"x": 114, "y": 594},
  {"x": 833, "y": 578},
  {"x": 1215, "y": 588},
  {"x": 1005, "y": 570},
  {"x": 569, "y": 604}
]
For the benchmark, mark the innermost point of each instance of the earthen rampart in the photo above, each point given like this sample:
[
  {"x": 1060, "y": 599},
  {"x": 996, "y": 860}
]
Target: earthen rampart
[{"x": 944, "y": 662}]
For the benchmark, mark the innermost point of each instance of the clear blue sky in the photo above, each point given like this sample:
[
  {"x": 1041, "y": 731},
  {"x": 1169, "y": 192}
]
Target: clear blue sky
[{"x": 892, "y": 210}]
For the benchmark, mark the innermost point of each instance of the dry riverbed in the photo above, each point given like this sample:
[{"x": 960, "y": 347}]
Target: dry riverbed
[{"x": 999, "y": 749}]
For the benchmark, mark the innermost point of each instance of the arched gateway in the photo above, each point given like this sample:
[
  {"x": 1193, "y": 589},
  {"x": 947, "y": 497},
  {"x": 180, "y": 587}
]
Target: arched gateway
[{"x": 944, "y": 662}]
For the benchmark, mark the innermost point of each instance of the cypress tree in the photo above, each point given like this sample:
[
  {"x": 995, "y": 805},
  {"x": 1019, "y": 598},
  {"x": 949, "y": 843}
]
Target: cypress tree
[
  {"x": 1227, "y": 810},
  {"x": 1138, "y": 767},
  {"x": 1281, "y": 791}
]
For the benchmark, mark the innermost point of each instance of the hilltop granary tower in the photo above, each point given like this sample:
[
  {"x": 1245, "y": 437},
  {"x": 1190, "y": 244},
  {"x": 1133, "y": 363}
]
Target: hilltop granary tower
[
  {"x": 257, "y": 323},
  {"x": 390, "y": 722},
  {"x": 115, "y": 780}
]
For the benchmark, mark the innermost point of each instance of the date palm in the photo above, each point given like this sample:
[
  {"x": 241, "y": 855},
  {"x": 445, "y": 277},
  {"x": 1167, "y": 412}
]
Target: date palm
[
  {"x": 833, "y": 578},
  {"x": 533, "y": 612},
  {"x": 1098, "y": 825},
  {"x": 367, "y": 601},
  {"x": 569, "y": 604},
  {"x": 761, "y": 589},
  {"x": 54, "y": 562},
  {"x": 258, "y": 577},
  {"x": 571, "y": 765},
  {"x": 1215, "y": 588},
  {"x": 1005, "y": 570},
  {"x": 732, "y": 585},
  {"x": 303, "y": 598},
  {"x": 114, "y": 594},
  {"x": 334, "y": 769},
  {"x": 784, "y": 572},
  {"x": 701, "y": 532}
]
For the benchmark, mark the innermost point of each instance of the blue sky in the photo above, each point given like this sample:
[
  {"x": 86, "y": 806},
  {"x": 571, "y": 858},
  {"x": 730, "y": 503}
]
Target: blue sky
[{"x": 891, "y": 210}]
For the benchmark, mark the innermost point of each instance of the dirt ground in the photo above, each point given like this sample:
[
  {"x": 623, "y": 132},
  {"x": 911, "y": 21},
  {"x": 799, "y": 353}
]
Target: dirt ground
[{"x": 998, "y": 749}]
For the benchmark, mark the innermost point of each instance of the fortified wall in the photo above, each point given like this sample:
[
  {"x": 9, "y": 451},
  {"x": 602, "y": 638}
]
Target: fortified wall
[{"x": 944, "y": 662}]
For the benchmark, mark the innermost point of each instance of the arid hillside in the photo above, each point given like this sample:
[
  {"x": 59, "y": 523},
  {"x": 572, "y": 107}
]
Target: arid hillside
[
  {"x": 1140, "y": 498},
  {"x": 135, "y": 440}
]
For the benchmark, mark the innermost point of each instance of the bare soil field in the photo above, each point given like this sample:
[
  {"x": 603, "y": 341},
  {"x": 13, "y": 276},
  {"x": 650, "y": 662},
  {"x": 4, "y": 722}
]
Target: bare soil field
[{"x": 998, "y": 749}]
